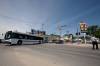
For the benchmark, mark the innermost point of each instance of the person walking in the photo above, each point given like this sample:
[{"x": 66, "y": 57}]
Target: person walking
[{"x": 94, "y": 43}]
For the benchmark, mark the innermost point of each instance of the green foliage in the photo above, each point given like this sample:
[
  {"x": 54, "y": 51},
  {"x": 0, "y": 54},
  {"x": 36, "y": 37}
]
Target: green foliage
[
  {"x": 97, "y": 33},
  {"x": 94, "y": 30}
]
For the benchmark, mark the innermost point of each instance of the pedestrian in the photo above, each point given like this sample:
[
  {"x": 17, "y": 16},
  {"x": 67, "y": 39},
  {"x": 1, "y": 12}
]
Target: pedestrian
[{"x": 94, "y": 43}]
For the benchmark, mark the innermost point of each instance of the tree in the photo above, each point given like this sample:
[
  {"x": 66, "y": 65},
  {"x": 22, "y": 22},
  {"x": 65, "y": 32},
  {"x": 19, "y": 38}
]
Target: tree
[
  {"x": 97, "y": 33},
  {"x": 94, "y": 30}
]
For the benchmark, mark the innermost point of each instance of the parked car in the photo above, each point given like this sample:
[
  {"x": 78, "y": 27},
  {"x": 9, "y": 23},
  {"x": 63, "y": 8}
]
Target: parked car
[
  {"x": 77, "y": 40},
  {"x": 59, "y": 42}
]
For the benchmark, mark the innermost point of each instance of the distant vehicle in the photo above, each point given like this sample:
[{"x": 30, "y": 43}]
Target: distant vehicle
[
  {"x": 21, "y": 38},
  {"x": 58, "y": 41},
  {"x": 2, "y": 37},
  {"x": 77, "y": 40}
]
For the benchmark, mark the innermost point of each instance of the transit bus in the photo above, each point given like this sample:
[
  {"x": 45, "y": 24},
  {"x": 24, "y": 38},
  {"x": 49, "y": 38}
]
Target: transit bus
[{"x": 12, "y": 37}]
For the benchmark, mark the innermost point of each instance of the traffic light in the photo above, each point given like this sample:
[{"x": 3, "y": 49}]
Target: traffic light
[{"x": 78, "y": 33}]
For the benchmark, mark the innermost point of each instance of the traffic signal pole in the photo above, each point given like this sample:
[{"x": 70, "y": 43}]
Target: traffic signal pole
[
  {"x": 85, "y": 38},
  {"x": 77, "y": 34},
  {"x": 83, "y": 28}
]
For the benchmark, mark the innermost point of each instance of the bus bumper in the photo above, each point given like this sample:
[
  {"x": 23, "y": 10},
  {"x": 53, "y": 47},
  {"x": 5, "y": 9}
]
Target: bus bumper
[{"x": 7, "y": 42}]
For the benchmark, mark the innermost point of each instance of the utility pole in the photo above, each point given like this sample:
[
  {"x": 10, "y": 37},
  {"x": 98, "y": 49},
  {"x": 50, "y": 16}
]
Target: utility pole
[
  {"x": 42, "y": 27},
  {"x": 67, "y": 32},
  {"x": 60, "y": 28},
  {"x": 77, "y": 34}
]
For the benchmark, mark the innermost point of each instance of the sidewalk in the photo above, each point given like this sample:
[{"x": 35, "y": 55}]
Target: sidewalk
[{"x": 80, "y": 45}]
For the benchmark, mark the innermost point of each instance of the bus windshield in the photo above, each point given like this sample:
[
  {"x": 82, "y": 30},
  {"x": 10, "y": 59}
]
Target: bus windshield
[{"x": 7, "y": 35}]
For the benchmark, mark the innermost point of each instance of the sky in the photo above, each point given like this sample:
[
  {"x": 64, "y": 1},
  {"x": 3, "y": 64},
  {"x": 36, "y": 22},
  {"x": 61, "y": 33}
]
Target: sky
[{"x": 22, "y": 15}]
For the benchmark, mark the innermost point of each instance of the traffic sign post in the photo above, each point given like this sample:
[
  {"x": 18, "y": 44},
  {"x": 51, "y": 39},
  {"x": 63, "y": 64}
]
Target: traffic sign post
[{"x": 83, "y": 28}]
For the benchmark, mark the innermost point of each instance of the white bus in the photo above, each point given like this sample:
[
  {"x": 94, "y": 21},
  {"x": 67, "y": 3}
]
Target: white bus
[
  {"x": 21, "y": 38},
  {"x": 2, "y": 37}
]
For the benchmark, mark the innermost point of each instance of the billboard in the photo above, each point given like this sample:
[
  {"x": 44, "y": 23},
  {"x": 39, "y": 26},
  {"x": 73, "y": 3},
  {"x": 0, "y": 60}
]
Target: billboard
[{"x": 83, "y": 27}]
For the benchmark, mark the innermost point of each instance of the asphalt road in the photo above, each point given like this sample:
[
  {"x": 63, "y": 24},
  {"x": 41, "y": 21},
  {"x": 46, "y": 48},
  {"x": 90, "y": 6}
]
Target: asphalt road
[{"x": 48, "y": 55}]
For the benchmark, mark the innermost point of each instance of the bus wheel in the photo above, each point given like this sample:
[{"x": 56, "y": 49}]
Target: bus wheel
[
  {"x": 19, "y": 42},
  {"x": 0, "y": 40}
]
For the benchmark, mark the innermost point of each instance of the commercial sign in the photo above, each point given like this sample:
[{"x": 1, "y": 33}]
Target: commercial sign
[{"x": 83, "y": 27}]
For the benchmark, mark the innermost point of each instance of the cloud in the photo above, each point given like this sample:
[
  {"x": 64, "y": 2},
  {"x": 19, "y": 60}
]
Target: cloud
[{"x": 22, "y": 15}]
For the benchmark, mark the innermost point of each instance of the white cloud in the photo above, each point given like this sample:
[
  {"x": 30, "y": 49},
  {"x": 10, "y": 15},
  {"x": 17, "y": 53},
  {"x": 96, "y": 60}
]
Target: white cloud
[{"x": 22, "y": 15}]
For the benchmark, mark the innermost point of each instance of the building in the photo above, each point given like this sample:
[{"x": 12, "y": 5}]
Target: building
[
  {"x": 68, "y": 37},
  {"x": 51, "y": 38},
  {"x": 38, "y": 32}
]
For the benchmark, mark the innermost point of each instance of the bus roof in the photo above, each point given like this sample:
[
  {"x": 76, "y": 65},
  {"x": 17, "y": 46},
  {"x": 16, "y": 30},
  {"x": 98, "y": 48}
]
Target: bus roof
[{"x": 21, "y": 33}]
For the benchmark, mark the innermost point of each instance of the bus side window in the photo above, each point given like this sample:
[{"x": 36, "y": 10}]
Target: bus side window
[
  {"x": 31, "y": 37},
  {"x": 26, "y": 37},
  {"x": 20, "y": 37},
  {"x": 35, "y": 38},
  {"x": 14, "y": 35}
]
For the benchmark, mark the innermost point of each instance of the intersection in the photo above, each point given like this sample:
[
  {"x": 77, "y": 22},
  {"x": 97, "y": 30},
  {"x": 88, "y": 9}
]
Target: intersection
[{"x": 48, "y": 55}]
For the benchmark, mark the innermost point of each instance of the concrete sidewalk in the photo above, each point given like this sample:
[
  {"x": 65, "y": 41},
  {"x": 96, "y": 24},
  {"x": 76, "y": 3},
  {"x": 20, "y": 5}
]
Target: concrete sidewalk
[{"x": 80, "y": 45}]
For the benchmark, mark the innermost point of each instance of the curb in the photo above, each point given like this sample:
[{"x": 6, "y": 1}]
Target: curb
[{"x": 81, "y": 45}]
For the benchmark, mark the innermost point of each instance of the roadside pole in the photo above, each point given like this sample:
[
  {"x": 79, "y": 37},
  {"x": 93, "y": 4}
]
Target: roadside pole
[
  {"x": 85, "y": 38},
  {"x": 83, "y": 28},
  {"x": 78, "y": 35}
]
